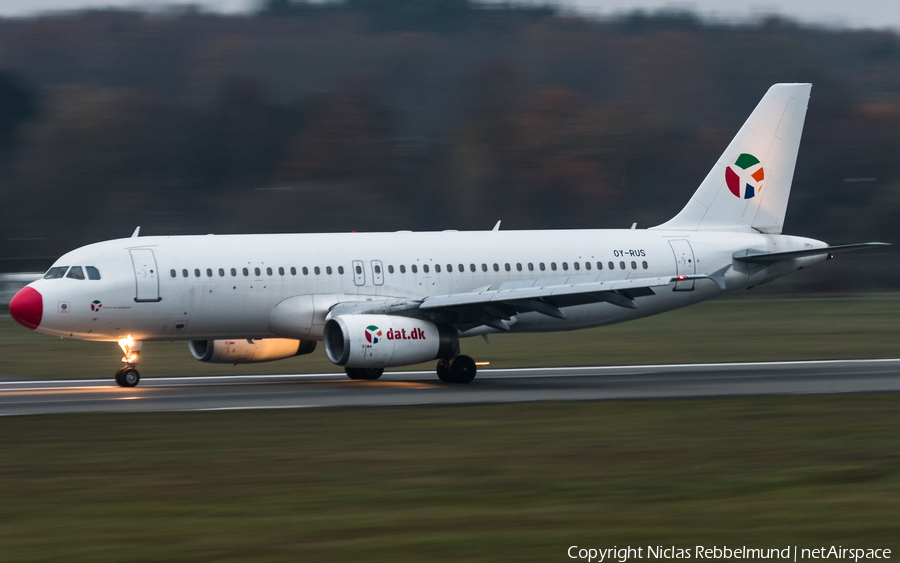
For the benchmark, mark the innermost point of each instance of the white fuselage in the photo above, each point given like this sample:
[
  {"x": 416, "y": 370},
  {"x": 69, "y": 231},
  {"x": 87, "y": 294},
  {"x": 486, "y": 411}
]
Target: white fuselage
[{"x": 195, "y": 287}]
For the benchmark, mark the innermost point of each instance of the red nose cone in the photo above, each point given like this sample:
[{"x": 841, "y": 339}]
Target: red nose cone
[{"x": 27, "y": 307}]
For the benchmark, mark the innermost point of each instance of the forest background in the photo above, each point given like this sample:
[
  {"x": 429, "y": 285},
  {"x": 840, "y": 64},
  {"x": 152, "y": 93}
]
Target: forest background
[{"x": 382, "y": 115}]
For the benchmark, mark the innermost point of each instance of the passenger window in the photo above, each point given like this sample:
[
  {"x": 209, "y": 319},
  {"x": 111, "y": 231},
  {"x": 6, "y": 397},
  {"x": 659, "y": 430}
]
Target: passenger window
[
  {"x": 437, "y": 268},
  {"x": 644, "y": 264},
  {"x": 172, "y": 273},
  {"x": 390, "y": 269},
  {"x": 565, "y": 265},
  {"x": 622, "y": 265},
  {"x": 402, "y": 269},
  {"x": 507, "y": 267},
  {"x": 246, "y": 272},
  {"x": 425, "y": 268},
  {"x": 233, "y": 272},
  {"x": 496, "y": 267},
  {"x": 575, "y": 264},
  {"x": 256, "y": 271},
  {"x": 413, "y": 268},
  {"x": 484, "y": 267},
  {"x": 328, "y": 270},
  {"x": 209, "y": 272},
  {"x": 280, "y": 271},
  {"x": 542, "y": 266},
  {"x": 57, "y": 272},
  {"x": 293, "y": 271},
  {"x": 305, "y": 271},
  {"x": 184, "y": 273},
  {"x": 462, "y": 268},
  {"x": 518, "y": 266},
  {"x": 472, "y": 267},
  {"x": 359, "y": 269},
  {"x": 341, "y": 270},
  {"x": 633, "y": 265},
  {"x": 377, "y": 269},
  {"x": 75, "y": 273},
  {"x": 530, "y": 267},
  {"x": 612, "y": 266},
  {"x": 196, "y": 272},
  {"x": 317, "y": 271},
  {"x": 587, "y": 265},
  {"x": 92, "y": 272},
  {"x": 221, "y": 273},
  {"x": 268, "y": 271},
  {"x": 599, "y": 265},
  {"x": 553, "y": 266},
  {"x": 449, "y": 268}
]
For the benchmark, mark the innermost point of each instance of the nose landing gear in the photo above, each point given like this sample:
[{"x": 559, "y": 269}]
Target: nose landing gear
[{"x": 128, "y": 376}]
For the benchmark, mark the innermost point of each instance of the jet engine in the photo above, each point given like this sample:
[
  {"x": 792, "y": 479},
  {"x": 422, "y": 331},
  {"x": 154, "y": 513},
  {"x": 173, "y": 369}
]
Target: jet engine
[
  {"x": 248, "y": 351},
  {"x": 377, "y": 341}
]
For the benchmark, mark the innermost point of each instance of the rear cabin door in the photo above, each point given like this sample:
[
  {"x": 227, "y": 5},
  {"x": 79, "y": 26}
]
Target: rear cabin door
[
  {"x": 146, "y": 276},
  {"x": 684, "y": 263},
  {"x": 359, "y": 273},
  {"x": 377, "y": 272}
]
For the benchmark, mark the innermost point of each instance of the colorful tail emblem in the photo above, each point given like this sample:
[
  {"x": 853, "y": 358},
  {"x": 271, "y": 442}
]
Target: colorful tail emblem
[{"x": 747, "y": 172}]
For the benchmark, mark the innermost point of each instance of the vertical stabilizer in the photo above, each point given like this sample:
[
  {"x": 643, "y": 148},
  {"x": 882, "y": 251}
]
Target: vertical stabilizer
[{"x": 748, "y": 188}]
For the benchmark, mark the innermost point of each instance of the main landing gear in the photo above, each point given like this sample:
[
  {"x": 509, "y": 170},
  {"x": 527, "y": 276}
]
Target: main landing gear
[
  {"x": 128, "y": 376},
  {"x": 364, "y": 373},
  {"x": 460, "y": 369}
]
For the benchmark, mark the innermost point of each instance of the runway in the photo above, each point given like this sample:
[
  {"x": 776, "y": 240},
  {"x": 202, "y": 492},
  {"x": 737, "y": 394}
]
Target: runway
[{"x": 423, "y": 388}]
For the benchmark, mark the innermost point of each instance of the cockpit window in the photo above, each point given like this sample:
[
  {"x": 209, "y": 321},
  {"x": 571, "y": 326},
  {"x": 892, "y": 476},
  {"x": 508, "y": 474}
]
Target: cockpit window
[
  {"x": 56, "y": 272},
  {"x": 75, "y": 273},
  {"x": 92, "y": 272}
]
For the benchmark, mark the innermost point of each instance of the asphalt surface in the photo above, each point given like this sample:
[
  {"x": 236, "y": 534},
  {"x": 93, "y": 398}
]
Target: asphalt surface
[{"x": 423, "y": 388}]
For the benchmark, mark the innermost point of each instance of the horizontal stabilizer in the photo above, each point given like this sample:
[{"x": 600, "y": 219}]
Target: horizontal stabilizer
[{"x": 760, "y": 257}]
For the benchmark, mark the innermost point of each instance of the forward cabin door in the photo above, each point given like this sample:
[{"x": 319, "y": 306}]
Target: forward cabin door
[
  {"x": 359, "y": 273},
  {"x": 377, "y": 272},
  {"x": 146, "y": 276},
  {"x": 685, "y": 264}
]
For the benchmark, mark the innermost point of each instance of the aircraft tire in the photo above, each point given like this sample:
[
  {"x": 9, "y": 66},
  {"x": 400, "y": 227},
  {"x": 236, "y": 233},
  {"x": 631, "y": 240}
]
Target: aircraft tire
[
  {"x": 364, "y": 373},
  {"x": 129, "y": 377},
  {"x": 119, "y": 377},
  {"x": 462, "y": 369},
  {"x": 443, "y": 370}
]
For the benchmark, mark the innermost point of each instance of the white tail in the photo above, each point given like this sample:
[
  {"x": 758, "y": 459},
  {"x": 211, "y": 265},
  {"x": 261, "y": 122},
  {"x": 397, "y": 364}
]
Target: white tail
[{"x": 748, "y": 188}]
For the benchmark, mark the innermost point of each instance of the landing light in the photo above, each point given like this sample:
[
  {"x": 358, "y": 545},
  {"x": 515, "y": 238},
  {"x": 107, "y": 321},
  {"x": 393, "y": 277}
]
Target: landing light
[{"x": 482, "y": 363}]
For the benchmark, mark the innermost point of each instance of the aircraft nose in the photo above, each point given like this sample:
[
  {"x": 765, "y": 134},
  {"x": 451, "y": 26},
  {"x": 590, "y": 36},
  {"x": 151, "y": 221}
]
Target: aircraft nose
[{"x": 27, "y": 307}]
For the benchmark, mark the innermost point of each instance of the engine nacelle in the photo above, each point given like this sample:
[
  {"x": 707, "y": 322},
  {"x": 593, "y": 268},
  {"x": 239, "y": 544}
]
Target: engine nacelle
[
  {"x": 248, "y": 351},
  {"x": 375, "y": 341}
]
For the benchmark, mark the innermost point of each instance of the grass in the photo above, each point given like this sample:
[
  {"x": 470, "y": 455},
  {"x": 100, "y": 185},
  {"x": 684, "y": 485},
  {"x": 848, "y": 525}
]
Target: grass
[
  {"x": 725, "y": 330},
  {"x": 518, "y": 482}
]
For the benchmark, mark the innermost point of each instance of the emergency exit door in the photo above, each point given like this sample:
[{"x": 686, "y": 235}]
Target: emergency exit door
[
  {"x": 685, "y": 265},
  {"x": 146, "y": 277},
  {"x": 359, "y": 273}
]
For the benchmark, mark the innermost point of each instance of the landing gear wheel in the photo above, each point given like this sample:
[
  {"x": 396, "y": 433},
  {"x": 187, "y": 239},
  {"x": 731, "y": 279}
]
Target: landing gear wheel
[
  {"x": 443, "y": 370},
  {"x": 119, "y": 377},
  {"x": 364, "y": 373},
  {"x": 462, "y": 369},
  {"x": 128, "y": 377}
]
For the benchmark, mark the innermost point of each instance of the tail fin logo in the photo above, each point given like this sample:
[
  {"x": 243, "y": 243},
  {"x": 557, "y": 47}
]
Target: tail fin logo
[{"x": 744, "y": 177}]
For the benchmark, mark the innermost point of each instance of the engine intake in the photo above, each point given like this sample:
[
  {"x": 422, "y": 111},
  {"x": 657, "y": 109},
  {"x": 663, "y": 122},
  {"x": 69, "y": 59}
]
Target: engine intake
[
  {"x": 248, "y": 351},
  {"x": 375, "y": 341}
]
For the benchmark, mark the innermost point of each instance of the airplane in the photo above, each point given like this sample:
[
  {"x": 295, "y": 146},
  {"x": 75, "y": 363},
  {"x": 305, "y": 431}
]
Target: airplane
[{"x": 378, "y": 300}]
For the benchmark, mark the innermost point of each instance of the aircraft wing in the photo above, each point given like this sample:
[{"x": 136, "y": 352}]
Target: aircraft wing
[
  {"x": 760, "y": 257},
  {"x": 491, "y": 305}
]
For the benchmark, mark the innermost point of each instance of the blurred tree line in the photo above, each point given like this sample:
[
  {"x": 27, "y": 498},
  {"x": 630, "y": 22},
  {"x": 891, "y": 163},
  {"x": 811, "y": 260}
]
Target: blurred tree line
[{"x": 420, "y": 114}]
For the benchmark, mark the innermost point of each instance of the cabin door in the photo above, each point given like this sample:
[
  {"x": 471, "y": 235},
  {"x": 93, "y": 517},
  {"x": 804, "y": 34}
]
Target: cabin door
[
  {"x": 685, "y": 265},
  {"x": 146, "y": 277}
]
